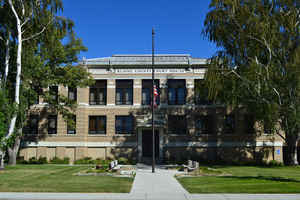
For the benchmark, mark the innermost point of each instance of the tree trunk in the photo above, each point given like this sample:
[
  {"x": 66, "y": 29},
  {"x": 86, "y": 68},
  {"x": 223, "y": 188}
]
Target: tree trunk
[
  {"x": 7, "y": 56},
  {"x": 19, "y": 69},
  {"x": 291, "y": 142},
  {"x": 2, "y": 155},
  {"x": 13, "y": 152}
]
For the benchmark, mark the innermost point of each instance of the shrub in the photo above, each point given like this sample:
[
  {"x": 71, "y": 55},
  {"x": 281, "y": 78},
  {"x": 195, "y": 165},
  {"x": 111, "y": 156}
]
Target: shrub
[
  {"x": 21, "y": 160},
  {"x": 33, "y": 161},
  {"x": 57, "y": 160},
  {"x": 123, "y": 161},
  {"x": 274, "y": 163},
  {"x": 85, "y": 160},
  {"x": 42, "y": 160}
]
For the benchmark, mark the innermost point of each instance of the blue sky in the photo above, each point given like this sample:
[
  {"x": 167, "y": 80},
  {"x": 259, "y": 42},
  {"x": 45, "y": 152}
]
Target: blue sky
[{"x": 110, "y": 27}]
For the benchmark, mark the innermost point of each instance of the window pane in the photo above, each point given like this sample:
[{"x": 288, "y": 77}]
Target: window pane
[
  {"x": 124, "y": 92},
  {"x": 52, "y": 124},
  {"x": 181, "y": 96},
  {"x": 72, "y": 93},
  {"x": 71, "y": 128},
  {"x": 172, "y": 95},
  {"x": 177, "y": 124},
  {"x": 98, "y": 93},
  {"x": 53, "y": 90},
  {"x": 229, "y": 124},
  {"x": 124, "y": 124}
]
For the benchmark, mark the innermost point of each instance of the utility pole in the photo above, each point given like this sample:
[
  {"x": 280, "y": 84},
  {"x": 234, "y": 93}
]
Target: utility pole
[{"x": 153, "y": 99}]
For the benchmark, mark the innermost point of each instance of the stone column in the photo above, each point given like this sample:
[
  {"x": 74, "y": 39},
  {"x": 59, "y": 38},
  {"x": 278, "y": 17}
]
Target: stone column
[
  {"x": 137, "y": 92},
  {"x": 189, "y": 91},
  {"x": 111, "y": 92},
  {"x": 163, "y": 91}
]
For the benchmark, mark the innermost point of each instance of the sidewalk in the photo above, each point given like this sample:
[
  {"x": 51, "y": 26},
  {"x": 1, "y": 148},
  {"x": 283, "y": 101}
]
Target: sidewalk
[{"x": 160, "y": 185}]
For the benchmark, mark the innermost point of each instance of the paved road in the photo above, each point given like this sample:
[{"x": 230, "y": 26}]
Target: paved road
[{"x": 160, "y": 185}]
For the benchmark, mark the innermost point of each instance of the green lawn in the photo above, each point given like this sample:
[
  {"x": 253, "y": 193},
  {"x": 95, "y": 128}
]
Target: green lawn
[
  {"x": 55, "y": 178},
  {"x": 246, "y": 180}
]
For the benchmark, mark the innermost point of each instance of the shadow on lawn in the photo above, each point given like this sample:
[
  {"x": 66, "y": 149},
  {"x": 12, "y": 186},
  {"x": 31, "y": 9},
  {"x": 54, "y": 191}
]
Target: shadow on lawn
[{"x": 267, "y": 178}]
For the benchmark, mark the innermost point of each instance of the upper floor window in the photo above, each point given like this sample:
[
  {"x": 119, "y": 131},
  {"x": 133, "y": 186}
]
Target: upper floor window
[
  {"x": 124, "y": 124},
  {"x": 147, "y": 91},
  {"x": 204, "y": 124},
  {"x": 267, "y": 128},
  {"x": 32, "y": 125},
  {"x": 52, "y": 124},
  {"x": 201, "y": 93},
  {"x": 71, "y": 126},
  {"x": 98, "y": 93},
  {"x": 72, "y": 93},
  {"x": 124, "y": 92},
  {"x": 177, "y": 124},
  {"x": 97, "y": 124},
  {"x": 53, "y": 90},
  {"x": 229, "y": 124},
  {"x": 176, "y": 92}
]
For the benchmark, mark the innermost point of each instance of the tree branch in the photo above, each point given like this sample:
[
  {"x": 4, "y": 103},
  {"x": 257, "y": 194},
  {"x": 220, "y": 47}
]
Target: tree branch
[{"x": 39, "y": 33}]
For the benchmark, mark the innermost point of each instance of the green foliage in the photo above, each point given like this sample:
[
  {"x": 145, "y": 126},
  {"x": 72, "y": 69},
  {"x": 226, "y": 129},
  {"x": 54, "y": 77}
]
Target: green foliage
[
  {"x": 258, "y": 64},
  {"x": 57, "y": 160},
  {"x": 123, "y": 161},
  {"x": 32, "y": 160},
  {"x": 85, "y": 160},
  {"x": 48, "y": 58}
]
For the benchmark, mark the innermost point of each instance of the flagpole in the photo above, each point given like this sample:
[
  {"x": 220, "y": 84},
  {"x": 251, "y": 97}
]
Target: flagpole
[{"x": 153, "y": 133}]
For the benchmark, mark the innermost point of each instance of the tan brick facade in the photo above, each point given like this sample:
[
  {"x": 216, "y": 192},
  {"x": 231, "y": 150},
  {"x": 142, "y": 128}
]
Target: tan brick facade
[{"x": 217, "y": 145}]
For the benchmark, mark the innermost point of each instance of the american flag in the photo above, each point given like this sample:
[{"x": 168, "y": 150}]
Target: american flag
[{"x": 155, "y": 92}]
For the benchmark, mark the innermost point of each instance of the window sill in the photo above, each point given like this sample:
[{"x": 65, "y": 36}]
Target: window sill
[
  {"x": 126, "y": 135},
  {"x": 97, "y": 135},
  {"x": 178, "y": 135}
]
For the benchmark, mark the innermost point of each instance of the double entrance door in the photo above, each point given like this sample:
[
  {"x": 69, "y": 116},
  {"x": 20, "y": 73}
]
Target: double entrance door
[{"x": 147, "y": 143}]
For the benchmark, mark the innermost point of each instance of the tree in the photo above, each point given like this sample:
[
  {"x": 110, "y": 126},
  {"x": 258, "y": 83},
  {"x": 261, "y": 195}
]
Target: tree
[
  {"x": 258, "y": 64},
  {"x": 44, "y": 47}
]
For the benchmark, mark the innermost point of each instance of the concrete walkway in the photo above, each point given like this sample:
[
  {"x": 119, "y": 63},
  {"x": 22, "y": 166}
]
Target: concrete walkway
[
  {"x": 160, "y": 185},
  {"x": 157, "y": 185}
]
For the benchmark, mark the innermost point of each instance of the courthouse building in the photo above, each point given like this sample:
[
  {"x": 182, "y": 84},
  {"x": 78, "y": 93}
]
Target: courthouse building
[{"x": 113, "y": 118}]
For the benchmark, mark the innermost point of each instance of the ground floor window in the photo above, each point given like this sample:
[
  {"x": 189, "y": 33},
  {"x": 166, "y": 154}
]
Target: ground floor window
[
  {"x": 229, "y": 124},
  {"x": 71, "y": 126},
  {"x": 52, "y": 124},
  {"x": 97, "y": 124},
  {"x": 177, "y": 124},
  {"x": 204, "y": 124},
  {"x": 124, "y": 124},
  {"x": 31, "y": 127}
]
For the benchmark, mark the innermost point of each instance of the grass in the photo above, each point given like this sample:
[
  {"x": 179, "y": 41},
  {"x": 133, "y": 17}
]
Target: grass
[
  {"x": 55, "y": 178},
  {"x": 246, "y": 180}
]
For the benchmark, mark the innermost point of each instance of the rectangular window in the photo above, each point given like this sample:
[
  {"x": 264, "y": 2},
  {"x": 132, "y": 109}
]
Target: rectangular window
[
  {"x": 176, "y": 92},
  {"x": 249, "y": 124},
  {"x": 53, "y": 90},
  {"x": 201, "y": 93},
  {"x": 124, "y": 92},
  {"x": 229, "y": 124},
  {"x": 147, "y": 92},
  {"x": 98, "y": 93},
  {"x": 124, "y": 124},
  {"x": 71, "y": 126},
  {"x": 72, "y": 93},
  {"x": 97, "y": 124},
  {"x": 52, "y": 124},
  {"x": 204, "y": 124},
  {"x": 268, "y": 128},
  {"x": 177, "y": 124},
  {"x": 37, "y": 95},
  {"x": 32, "y": 125}
]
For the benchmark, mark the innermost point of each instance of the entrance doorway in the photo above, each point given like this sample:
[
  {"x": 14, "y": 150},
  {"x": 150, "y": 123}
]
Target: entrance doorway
[{"x": 147, "y": 143}]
